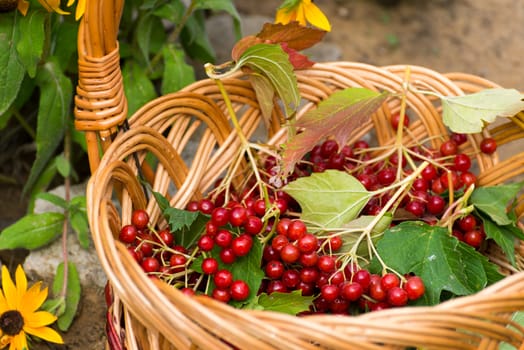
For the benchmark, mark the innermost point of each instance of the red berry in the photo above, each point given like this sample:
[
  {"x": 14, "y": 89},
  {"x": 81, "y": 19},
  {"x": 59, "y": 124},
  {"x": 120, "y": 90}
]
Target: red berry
[
  {"x": 468, "y": 179},
  {"x": 448, "y": 148},
  {"x": 309, "y": 274},
  {"x": 462, "y": 162},
  {"x": 274, "y": 269},
  {"x": 242, "y": 244},
  {"x": 335, "y": 243},
  {"x": 166, "y": 237},
  {"x": 128, "y": 233},
  {"x": 150, "y": 264},
  {"x": 140, "y": 219},
  {"x": 291, "y": 278},
  {"x": 329, "y": 292},
  {"x": 279, "y": 241},
  {"x": 220, "y": 216},
  {"x": 259, "y": 207},
  {"x": 223, "y": 279},
  {"x": 389, "y": 280},
  {"x": 296, "y": 230},
  {"x": 223, "y": 238},
  {"x": 474, "y": 238},
  {"x": 429, "y": 173},
  {"x": 136, "y": 254},
  {"x": 416, "y": 208},
  {"x": 328, "y": 147},
  {"x": 308, "y": 259},
  {"x": 222, "y": 295},
  {"x": 362, "y": 277},
  {"x": 289, "y": 253},
  {"x": 238, "y": 216},
  {"x": 458, "y": 138},
  {"x": 467, "y": 223},
  {"x": 415, "y": 288},
  {"x": 206, "y": 243},
  {"x": 209, "y": 266},
  {"x": 395, "y": 120},
  {"x": 435, "y": 205},
  {"x": 387, "y": 176},
  {"x": 351, "y": 291},
  {"x": 488, "y": 145},
  {"x": 253, "y": 225},
  {"x": 239, "y": 290},
  {"x": 397, "y": 296},
  {"x": 283, "y": 226},
  {"x": 227, "y": 256},
  {"x": 206, "y": 206},
  {"x": 308, "y": 243},
  {"x": 326, "y": 263}
]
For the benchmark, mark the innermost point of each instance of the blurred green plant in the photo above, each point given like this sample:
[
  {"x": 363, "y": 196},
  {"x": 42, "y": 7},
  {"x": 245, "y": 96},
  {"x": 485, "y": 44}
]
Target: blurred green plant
[{"x": 38, "y": 72}]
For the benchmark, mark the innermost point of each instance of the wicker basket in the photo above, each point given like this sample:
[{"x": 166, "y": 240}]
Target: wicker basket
[{"x": 147, "y": 314}]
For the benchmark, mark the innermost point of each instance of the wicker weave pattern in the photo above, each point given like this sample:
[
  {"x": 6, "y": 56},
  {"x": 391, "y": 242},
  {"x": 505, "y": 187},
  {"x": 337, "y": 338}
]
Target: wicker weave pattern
[{"x": 190, "y": 136}]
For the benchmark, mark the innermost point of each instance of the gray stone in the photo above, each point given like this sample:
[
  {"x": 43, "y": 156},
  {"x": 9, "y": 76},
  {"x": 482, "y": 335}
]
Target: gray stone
[{"x": 43, "y": 261}]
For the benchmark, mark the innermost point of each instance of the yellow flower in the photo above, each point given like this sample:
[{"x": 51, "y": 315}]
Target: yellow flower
[
  {"x": 302, "y": 11},
  {"x": 54, "y": 5},
  {"x": 19, "y": 313}
]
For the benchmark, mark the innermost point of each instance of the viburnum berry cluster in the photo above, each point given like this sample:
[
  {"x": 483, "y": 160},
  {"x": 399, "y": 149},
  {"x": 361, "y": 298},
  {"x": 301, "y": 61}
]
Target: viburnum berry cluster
[{"x": 295, "y": 257}]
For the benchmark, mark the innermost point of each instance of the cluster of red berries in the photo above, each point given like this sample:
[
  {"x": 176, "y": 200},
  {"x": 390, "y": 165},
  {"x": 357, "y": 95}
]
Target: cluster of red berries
[
  {"x": 294, "y": 259},
  {"x": 298, "y": 260}
]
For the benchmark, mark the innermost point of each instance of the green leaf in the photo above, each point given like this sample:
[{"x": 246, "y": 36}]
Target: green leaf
[
  {"x": 138, "y": 88},
  {"x": 177, "y": 73},
  {"x": 337, "y": 116},
  {"x": 150, "y": 35},
  {"x": 468, "y": 113},
  {"x": 290, "y": 303},
  {"x": 41, "y": 184},
  {"x": 162, "y": 201},
  {"x": 55, "y": 306},
  {"x": 64, "y": 33},
  {"x": 360, "y": 224},
  {"x": 185, "y": 225},
  {"x": 222, "y": 5},
  {"x": 442, "y": 261},
  {"x": 56, "y": 95},
  {"x": 248, "y": 269},
  {"x": 272, "y": 61},
  {"x": 53, "y": 198},
  {"x": 265, "y": 94},
  {"x": 78, "y": 219},
  {"x": 493, "y": 201},
  {"x": 74, "y": 291},
  {"x": 32, "y": 231},
  {"x": 194, "y": 39},
  {"x": 31, "y": 44},
  {"x": 172, "y": 11},
  {"x": 12, "y": 72},
  {"x": 329, "y": 199},
  {"x": 63, "y": 166},
  {"x": 503, "y": 235}
]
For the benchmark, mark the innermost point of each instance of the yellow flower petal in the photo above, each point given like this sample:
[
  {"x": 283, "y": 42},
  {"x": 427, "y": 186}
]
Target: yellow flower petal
[
  {"x": 315, "y": 16},
  {"x": 45, "y": 333},
  {"x": 284, "y": 16},
  {"x": 18, "y": 342},
  {"x": 21, "y": 282},
  {"x": 53, "y": 5},
  {"x": 80, "y": 9},
  {"x": 9, "y": 288},
  {"x": 301, "y": 15},
  {"x": 3, "y": 305},
  {"x": 23, "y": 6},
  {"x": 33, "y": 298},
  {"x": 38, "y": 319}
]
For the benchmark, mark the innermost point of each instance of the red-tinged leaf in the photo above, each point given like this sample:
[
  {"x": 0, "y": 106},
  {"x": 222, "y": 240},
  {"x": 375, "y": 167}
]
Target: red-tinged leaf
[
  {"x": 296, "y": 36},
  {"x": 337, "y": 116},
  {"x": 298, "y": 60},
  {"x": 242, "y": 45}
]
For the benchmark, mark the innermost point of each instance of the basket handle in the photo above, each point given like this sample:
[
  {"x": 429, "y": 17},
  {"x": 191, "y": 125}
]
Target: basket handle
[{"x": 100, "y": 102}]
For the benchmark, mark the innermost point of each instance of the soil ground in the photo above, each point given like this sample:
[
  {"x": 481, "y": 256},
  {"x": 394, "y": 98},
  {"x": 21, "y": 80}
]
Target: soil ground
[{"x": 482, "y": 37}]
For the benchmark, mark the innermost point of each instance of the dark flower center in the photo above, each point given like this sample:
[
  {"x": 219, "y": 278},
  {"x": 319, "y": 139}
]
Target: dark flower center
[{"x": 11, "y": 322}]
